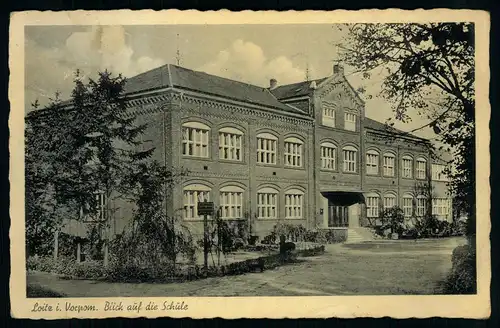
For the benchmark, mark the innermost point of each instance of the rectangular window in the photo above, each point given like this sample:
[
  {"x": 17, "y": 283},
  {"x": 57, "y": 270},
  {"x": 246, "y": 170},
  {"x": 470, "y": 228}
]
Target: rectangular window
[
  {"x": 328, "y": 114},
  {"x": 349, "y": 160},
  {"x": 230, "y": 146},
  {"x": 421, "y": 169},
  {"x": 440, "y": 206},
  {"x": 266, "y": 151},
  {"x": 194, "y": 142},
  {"x": 389, "y": 166},
  {"x": 293, "y": 206},
  {"x": 293, "y": 154},
  {"x": 350, "y": 121},
  {"x": 371, "y": 163},
  {"x": 421, "y": 207},
  {"x": 191, "y": 200},
  {"x": 389, "y": 202},
  {"x": 438, "y": 172},
  {"x": 372, "y": 207},
  {"x": 328, "y": 158},
  {"x": 408, "y": 206},
  {"x": 266, "y": 205},
  {"x": 407, "y": 167},
  {"x": 231, "y": 205}
]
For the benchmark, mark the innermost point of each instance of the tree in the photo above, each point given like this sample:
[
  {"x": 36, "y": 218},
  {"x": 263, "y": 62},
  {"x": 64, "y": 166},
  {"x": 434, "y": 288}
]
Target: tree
[
  {"x": 429, "y": 70},
  {"x": 75, "y": 149}
]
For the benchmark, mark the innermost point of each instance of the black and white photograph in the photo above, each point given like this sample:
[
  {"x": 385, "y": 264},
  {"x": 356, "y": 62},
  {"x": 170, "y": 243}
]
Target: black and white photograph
[{"x": 179, "y": 161}]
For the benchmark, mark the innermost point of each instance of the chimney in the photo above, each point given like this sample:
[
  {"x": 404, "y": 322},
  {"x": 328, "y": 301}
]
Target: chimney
[
  {"x": 273, "y": 83},
  {"x": 338, "y": 69}
]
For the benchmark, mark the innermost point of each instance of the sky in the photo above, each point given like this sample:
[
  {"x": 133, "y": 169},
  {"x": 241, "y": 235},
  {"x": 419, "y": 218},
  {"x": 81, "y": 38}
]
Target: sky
[{"x": 247, "y": 53}]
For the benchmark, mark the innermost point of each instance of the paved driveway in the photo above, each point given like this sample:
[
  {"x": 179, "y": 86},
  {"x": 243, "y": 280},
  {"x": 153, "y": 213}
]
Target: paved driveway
[{"x": 376, "y": 268}]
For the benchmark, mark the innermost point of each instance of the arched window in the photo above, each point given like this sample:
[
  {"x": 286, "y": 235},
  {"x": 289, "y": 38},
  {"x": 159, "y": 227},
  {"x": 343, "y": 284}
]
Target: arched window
[
  {"x": 372, "y": 159},
  {"x": 421, "y": 205},
  {"x": 194, "y": 194},
  {"x": 328, "y": 113},
  {"x": 407, "y": 164},
  {"x": 421, "y": 168},
  {"x": 389, "y": 201},
  {"x": 350, "y": 121},
  {"x": 266, "y": 148},
  {"x": 389, "y": 166},
  {"x": 294, "y": 199},
  {"x": 230, "y": 144},
  {"x": 231, "y": 202},
  {"x": 293, "y": 152},
  {"x": 372, "y": 205},
  {"x": 195, "y": 139},
  {"x": 408, "y": 205},
  {"x": 349, "y": 154},
  {"x": 267, "y": 203},
  {"x": 328, "y": 156}
]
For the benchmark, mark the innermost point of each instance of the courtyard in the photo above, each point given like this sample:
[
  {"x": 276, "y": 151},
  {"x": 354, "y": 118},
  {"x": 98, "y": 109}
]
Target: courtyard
[{"x": 372, "y": 268}]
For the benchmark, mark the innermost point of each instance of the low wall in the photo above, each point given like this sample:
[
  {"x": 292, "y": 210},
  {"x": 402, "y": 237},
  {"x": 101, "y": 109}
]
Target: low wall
[{"x": 333, "y": 235}]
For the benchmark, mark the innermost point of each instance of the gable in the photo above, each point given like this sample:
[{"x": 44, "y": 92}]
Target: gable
[{"x": 337, "y": 89}]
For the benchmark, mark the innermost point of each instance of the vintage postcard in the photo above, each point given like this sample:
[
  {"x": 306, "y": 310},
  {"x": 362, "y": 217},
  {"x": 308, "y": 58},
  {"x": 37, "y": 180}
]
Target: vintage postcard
[{"x": 250, "y": 165}]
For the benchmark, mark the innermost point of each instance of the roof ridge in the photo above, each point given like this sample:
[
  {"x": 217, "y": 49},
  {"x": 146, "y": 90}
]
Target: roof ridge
[{"x": 170, "y": 84}]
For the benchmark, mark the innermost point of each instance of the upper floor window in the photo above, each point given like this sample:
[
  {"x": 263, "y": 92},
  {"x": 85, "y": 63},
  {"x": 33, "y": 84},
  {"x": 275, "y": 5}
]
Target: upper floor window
[
  {"x": 406, "y": 169},
  {"x": 231, "y": 202},
  {"x": 230, "y": 144},
  {"x": 372, "y": 206},
  {"x": 438, "y": 172},
  {"x": 408, "y": 205},
  {"x": 267, "y": 203},
  {"x": 293, "y": 204},
  {"x": 389, "y": 166},
  {"x": 389, "y": 201},
  {"x": 421, "y": 168},
  {"x": 194, "y": 194},
  {"x": 421, "y": 204},
  {"x": 349, "y": 154},
  {"x": 328, "y": 156},
  {"x": 195, "y": 139},
  {"x": 328, "y": 114},
  {"x": 293, "y": 152},
  {"x": 350, "y": 121},
  {"x": 372, "y": 162},
  {"x": 266, "y": 148}
]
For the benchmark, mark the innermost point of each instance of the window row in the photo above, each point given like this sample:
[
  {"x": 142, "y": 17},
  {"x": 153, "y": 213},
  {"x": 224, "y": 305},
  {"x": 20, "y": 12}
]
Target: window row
[
  {"x": 231, "y": 202},
  {"x": 349, "y": 154},
  {"x": 196, "y": 140},
  {"x": 329, "y": 118},
  {"x": 440, "y": 206}
]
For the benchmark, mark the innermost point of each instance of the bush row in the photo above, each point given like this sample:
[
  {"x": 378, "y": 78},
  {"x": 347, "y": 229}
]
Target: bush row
[
  {"x": 165, "y": 272},
  {"x": 462, "y": 278}
]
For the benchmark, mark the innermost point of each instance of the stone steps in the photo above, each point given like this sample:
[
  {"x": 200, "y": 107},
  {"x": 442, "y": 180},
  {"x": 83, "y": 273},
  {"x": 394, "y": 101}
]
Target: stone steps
[{"x": 358, "y": 235}]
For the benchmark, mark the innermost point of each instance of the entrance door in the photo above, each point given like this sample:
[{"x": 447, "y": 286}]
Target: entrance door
[{"x": 338, "y": 216}]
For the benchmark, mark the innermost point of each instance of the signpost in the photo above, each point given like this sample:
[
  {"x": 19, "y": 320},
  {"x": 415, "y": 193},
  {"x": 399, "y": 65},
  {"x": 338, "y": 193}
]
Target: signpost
[{"x": 205, "y": 209}]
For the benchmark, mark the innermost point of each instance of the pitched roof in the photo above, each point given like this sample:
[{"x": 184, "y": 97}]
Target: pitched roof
[
  {"x": 376, "y": 125},
  {"x": 294, "y": 90},
  {"x": 183, "y": 78}
]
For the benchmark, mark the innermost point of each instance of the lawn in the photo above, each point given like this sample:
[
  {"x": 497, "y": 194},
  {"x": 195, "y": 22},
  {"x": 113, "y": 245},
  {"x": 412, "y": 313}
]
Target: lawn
[{"x": 387, "y": 268}]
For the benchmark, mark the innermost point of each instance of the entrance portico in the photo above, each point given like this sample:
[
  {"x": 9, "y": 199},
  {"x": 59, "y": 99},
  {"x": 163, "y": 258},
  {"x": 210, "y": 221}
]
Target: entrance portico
[{"x": 341, "y": 208}]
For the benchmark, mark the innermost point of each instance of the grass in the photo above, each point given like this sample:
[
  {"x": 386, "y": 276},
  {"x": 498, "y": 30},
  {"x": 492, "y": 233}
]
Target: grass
[{"x": 36, "y": 291}]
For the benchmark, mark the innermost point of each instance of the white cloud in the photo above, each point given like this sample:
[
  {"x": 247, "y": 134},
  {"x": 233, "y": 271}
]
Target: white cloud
[
  {"x": 103, "y": 47},
  {"x": 246, "y": 62}
]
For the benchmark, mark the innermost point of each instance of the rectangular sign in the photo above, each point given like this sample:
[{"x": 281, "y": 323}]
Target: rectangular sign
[{"x": 205, "y": 208}]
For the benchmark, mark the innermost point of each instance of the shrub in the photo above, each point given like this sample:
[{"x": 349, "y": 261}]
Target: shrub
[
  {"x": 462, "y": 278},
  {"x": 393, "y": 218}
]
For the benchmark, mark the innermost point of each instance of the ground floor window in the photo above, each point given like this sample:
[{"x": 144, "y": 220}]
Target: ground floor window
[
  {"x": 389, "y": 201},
  {"x": 372, "y": 206},
  {"x": 267, "y": 202},
  {"x": 421, "y": 206},
  {"x": 440, "y": 206},
  {"x": 408, "y": 206},
  {"x": 231, "y": 202},
  {"x": 194, "y": 194},
  {"x": 293, "y": 204}
]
